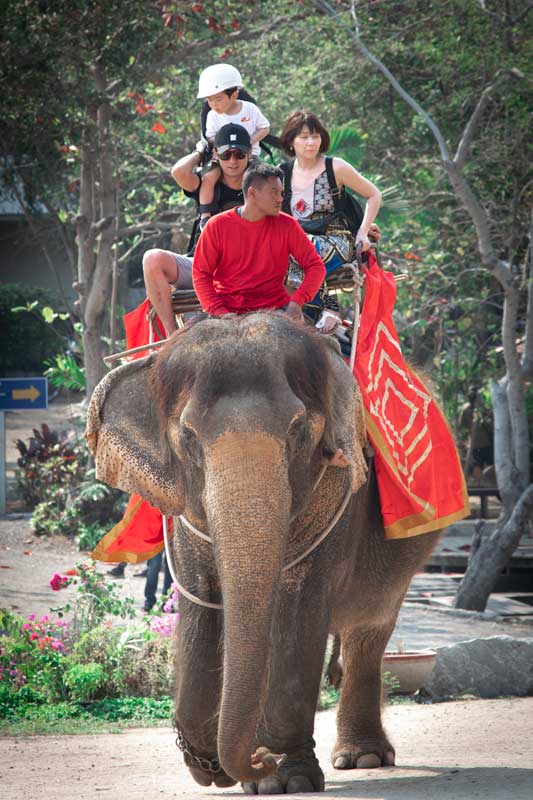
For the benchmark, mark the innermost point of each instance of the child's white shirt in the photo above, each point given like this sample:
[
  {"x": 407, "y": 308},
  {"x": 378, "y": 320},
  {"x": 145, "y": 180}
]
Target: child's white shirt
[{"x": 250, "y": 117}]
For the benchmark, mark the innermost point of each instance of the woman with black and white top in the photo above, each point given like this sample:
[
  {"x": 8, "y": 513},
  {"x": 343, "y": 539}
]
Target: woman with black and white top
[{"x": 312, "y": 178}]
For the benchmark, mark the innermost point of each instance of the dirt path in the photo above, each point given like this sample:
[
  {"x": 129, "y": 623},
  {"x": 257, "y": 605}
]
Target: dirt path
[{"x": 458, "y": 751}]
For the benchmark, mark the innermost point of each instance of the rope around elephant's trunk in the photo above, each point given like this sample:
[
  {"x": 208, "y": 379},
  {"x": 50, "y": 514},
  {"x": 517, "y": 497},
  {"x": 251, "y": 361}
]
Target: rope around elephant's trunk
[{"x": 327, "y": 530}]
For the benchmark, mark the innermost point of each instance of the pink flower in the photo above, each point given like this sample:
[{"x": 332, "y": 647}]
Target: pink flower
[
  {"x": 57, "y": 582},
  {"x": 31, "y": 617},
  {"x": 164, "y": 626},
  {"x": 34, "y": 636}
]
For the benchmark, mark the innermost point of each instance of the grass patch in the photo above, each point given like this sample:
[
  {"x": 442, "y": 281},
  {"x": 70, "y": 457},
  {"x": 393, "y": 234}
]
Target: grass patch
[{"x": 102, "y": 716}]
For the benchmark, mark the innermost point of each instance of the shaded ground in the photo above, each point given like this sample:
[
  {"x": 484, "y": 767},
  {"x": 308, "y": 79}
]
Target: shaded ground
[{"x": 458, "y": 751}]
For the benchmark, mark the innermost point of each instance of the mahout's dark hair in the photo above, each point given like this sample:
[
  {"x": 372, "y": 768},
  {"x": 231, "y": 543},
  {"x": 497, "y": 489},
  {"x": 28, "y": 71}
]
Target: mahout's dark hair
[
  {"x": 293, "y": 126},
  {"x": 260, "y": 173},
  {"x": 233, "y": 89}
]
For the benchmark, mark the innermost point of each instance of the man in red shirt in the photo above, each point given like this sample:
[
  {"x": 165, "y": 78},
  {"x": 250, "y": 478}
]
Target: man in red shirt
[{"x": 241, "y": 258}]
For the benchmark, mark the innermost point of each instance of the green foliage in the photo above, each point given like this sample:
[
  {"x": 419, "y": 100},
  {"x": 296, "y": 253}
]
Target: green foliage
[
  {"x": 84, "y": 680},
  {"x": 32, "y": 656},
  {"x": 50, "y": 660},
  {"x": 88, "y": 536},
  {"x": 449, "y": 309},
  {"x": 54, "y": 477},
  {"x": 27, "y": 339},
  {"x": 64, "y": 371},
  {"x": 31, "y": 716},
  {"x": 96, "y": 598},
  {"x": 49, "y": 465},
  {"x": 390, "y": 682}
]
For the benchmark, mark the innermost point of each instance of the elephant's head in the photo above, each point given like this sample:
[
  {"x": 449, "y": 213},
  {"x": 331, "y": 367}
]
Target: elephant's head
[{"x": 229, "y": 424}]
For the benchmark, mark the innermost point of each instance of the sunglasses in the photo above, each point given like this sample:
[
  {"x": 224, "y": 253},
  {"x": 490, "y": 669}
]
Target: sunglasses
[{"x": 232, "y": 153}]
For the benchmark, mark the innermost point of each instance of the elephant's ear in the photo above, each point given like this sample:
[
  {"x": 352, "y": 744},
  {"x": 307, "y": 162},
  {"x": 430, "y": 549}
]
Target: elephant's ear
[
  {"x": 126, "y": 437},
  {"x": 349, "y": 421}
]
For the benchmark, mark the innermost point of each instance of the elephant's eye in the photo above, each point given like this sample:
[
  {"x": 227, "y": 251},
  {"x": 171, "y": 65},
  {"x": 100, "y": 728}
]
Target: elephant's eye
[{"x": 190, "y": 446}]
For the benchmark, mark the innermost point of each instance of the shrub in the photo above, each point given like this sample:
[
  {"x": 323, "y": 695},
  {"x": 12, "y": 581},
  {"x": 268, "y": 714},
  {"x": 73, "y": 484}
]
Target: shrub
[
  {"x": 85, "y": 680},
  {"x": 27, "y": 339},
  {"x": 55, "y": 479},
  {"x": 49, "y": 466},
  {"x": 148, "y": 673}
]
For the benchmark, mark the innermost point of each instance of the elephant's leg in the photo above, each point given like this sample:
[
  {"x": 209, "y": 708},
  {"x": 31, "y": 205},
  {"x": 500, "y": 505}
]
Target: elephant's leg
[
  {"x": 295, "y": 670},
  {"x": 198, "y": 687},
  {"x": 361, "y": 740}
]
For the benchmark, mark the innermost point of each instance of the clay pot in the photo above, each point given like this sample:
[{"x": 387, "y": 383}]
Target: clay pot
[{"x": 412, "y": 668}]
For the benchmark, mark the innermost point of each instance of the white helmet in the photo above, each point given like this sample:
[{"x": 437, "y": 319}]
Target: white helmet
[{"x": 218, "y": 77}]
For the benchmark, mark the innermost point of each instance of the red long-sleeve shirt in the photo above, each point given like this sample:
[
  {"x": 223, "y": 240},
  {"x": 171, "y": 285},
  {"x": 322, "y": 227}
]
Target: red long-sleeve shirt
[{"x": 240, "y": 266}]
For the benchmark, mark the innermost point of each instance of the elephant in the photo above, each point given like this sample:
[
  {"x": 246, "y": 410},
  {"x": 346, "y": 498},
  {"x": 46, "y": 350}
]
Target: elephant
[{"x": 228, "y": 425}]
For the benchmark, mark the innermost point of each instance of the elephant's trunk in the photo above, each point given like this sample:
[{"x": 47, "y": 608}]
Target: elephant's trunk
[{"x": 247, "y": 500}]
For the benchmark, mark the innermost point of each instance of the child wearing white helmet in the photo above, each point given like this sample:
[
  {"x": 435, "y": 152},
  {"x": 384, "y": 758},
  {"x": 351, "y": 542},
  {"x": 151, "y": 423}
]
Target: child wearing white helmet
[{"x": 220, "y": 84}]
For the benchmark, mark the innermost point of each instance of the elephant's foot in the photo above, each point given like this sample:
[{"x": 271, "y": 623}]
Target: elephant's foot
[
  {"x": 299, "y": 772},
  {"x": 206, "y": 777},
  {"x": 369, "y": 753},
  {"x": 204, "y": 769}
]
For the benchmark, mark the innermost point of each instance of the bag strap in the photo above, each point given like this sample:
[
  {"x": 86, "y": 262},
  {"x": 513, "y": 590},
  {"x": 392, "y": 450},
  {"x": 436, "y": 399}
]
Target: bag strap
[
  {"x": 287, "y": 168},
  {"x": 336, "y": 193}
]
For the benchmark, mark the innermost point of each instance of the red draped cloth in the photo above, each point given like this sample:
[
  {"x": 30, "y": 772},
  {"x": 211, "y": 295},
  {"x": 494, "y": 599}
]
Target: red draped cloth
[
  {"x": 420, "y": 480},
  {"x": 139, "y": 534}
]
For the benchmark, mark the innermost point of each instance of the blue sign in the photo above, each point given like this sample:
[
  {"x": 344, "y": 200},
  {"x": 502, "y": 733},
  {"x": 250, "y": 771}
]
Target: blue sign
[{"x": 17, "y": 394}]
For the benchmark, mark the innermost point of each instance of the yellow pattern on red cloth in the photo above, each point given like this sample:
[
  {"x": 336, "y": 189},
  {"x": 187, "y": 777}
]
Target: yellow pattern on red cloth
[{"x": 420, "y": 480}]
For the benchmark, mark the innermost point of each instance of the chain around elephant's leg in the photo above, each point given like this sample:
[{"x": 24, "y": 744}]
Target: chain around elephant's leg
[{"x": 198, "y": 686}]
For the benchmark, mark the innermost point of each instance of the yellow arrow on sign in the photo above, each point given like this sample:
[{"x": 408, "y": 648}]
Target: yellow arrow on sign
[{"x": 26, "y": 394}]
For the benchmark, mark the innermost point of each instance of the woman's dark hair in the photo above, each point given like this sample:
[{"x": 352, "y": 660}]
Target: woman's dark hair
[
  {"x": 259, "y": 173},
  {"x": 293, "y": 126},
  {"x": 230, "y": 91}
]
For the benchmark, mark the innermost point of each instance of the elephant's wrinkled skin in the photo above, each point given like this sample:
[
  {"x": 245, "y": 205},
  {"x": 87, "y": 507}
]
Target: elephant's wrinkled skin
[{"x": 228, "y": 425}]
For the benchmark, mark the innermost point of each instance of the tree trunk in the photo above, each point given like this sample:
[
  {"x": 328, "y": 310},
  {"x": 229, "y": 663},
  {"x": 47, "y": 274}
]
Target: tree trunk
[
  {"x": 493, "y": 555},
  {"x": 95, "y": 234}
]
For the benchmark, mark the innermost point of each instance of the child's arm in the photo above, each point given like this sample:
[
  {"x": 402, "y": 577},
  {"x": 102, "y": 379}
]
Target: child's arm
[
  {"x": 260, "y": 134},
  {"x": 207, "y": 193}
]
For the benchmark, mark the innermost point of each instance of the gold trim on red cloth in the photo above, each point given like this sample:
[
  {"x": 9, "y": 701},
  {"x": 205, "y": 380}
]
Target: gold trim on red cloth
[{"x": 101, "y": 551}]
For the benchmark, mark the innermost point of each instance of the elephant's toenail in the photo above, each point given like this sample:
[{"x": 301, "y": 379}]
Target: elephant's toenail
[
  {"x": 368, "y": 761},
  {"x": 390, "y": 758},
  {"x": 299, "y": 784},
  {"x": 270, "y": 786},
  {"x": 342, "y": 762}
]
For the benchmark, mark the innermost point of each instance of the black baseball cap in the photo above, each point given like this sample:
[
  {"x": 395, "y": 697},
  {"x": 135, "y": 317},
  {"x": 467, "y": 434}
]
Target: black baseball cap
[{"x": 231, "y": 137}]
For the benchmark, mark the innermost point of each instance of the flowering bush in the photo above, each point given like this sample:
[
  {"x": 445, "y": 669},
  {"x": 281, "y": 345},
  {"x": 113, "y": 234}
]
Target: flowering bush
[
  {"x": 32, "y": 653},
  {"x": 52, "y": 660},
  {"x": 96, "y": 598}
]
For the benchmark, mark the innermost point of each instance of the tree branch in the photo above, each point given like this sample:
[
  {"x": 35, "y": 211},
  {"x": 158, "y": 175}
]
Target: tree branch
[
  {"x": 527, "y": 357},
  {"x": 462, "y": 188},
  {"x": 122, "y": 233},
  {"x": 473, "y": 122}
]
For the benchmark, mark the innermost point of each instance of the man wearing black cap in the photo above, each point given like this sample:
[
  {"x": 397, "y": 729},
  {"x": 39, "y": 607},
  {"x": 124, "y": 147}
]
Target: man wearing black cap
[{"x": 164, "y": 270}]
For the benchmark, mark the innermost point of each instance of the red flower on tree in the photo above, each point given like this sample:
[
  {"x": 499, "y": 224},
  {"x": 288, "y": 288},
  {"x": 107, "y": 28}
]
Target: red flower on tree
[{"x": 158, "y": 128}]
